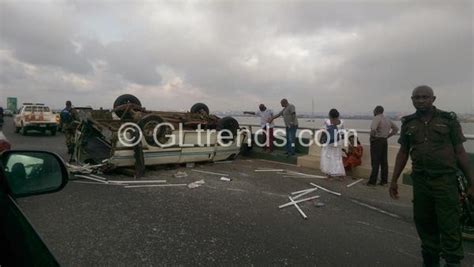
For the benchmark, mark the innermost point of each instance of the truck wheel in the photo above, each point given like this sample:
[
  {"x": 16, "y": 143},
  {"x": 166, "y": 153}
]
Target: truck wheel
[
  {"x": 53, "y": 132},
  {"x": 148, "y": 124},
  {"x": 17, "y": 129},
  {"x": 125, "y": 99},
  {"x": 23, "y": 131},
  {"x": 200, "y": 107},
  {"x": 228, "y": 123}
]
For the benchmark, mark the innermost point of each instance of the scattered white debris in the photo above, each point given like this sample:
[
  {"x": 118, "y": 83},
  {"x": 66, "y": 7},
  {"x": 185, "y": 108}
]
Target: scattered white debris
[
  {"x": 325, "y": 189},
  {"x": 225, "y": 179},
  {"x": 301, "y": 191},
  {"x": 98, "y": 177},
  {"x": 319, "y": 204},
  {"x": 305, "y": 193},
  {"x": 180, "y": 175},
  {"x": 303, "y": 177},
  {"x": 190, "y": 165},
  {"x": 297, "y": 201},
  {"x": 85, "y": 169},
  {"x": 154, "y": 185},
  {"x": 298, "y": 208},
  {"x": 269, "y": 170},
  {"x": 213, "y": 173},
  {"x": 91, "y": 178},
  {"x": 196, "y": 184},
  {"x": 85, "y": 182},
  {"x": 292, "y": 173},
  {"x": 351, "y": 184},
  {"x": 139, "y": 182}
]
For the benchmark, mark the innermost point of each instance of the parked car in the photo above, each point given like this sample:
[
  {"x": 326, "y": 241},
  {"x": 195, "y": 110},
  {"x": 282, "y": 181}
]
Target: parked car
[
  {"x": 98, "y": 137},
  {"x": 22, "y": 174},
  {"x": 35, "y": 117},
  {"x": 7, "y": 113}
]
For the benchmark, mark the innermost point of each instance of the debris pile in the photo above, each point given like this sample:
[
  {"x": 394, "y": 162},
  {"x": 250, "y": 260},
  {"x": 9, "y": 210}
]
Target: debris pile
[{"x": 294, "y": 198}]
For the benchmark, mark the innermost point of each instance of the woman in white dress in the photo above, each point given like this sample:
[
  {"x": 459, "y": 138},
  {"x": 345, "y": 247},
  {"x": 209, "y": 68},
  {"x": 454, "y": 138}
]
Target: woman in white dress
[{"x": 331, "y": 153}]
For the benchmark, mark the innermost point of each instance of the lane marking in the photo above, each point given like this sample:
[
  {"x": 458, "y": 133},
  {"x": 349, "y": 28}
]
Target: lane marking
[
  {"x": 387, "y": 230},
  {"x": 376, "y": 209}
]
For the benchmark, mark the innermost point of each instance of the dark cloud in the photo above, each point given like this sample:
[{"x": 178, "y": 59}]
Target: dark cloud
[
  {"x": 42, "y": 34},
  {"x": 233, "y": 54}
]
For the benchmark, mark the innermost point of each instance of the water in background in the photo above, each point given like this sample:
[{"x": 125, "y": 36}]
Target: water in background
[{"x": 468, "y": 128}]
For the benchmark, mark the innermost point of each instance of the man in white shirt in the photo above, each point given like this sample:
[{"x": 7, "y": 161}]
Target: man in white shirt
[
  {"x": 381, "y": 129},
  {"x": 265, "y": 122}
]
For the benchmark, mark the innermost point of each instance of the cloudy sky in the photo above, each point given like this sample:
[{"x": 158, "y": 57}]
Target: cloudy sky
[{"x": 233, "y": 55}]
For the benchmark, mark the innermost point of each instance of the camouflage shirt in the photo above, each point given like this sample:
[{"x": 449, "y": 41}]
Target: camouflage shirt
[{"x": 431, "y": 144}]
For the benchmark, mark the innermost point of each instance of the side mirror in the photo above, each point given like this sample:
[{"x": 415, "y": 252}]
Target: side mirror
[{"x": 33, "y": 172}]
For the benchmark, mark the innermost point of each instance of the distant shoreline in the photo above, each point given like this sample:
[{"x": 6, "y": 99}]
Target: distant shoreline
[{"x": 356, "y": 117}]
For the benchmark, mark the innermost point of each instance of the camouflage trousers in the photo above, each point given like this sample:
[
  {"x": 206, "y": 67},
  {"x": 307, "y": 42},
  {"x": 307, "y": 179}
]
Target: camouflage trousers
[
  {"x": 436, "y": 210},
  {"x": 69, "y": 134}
]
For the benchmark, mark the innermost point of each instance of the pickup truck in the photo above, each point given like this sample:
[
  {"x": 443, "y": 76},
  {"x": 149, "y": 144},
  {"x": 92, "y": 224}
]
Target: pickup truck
[{"x": 35, "y": 117}]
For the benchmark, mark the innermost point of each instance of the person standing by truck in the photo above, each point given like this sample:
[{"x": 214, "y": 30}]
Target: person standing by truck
[{"x": 68, "y": 120}]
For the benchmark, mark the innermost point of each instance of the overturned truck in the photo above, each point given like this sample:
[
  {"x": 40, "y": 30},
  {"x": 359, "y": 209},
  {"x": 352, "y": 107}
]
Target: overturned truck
[{"x": 129, "y": 135}]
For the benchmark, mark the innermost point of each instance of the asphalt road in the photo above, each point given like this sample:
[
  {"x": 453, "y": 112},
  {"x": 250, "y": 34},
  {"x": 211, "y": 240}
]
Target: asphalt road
[{"x": 221, "y": 223}]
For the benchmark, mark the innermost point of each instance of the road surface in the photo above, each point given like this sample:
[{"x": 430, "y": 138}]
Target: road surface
[{"x": 221, "y": 223}]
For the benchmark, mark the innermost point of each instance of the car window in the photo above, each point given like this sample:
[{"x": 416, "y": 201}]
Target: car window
[{"x": 28, "y": 109}]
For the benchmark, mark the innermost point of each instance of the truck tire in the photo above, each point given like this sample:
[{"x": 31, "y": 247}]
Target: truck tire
[
  {"x": 196, "y": 108},
  {"x": 148, "y": 124},
  {"x": 125, "y": 99},
  {"x": 53, "y": 132},
  {"x": 17, "y": 129},
  {"x": 228, "y": 123}
]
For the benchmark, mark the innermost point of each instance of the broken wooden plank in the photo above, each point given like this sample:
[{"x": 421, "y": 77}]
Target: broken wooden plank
[
  {"x": 91, "y": 178},
  {"x": 154, "y": 185},
  {"x": 301, "y": 191},
  {"x": 325, "y": 189},
  {"x": 138, "y": 182},
  {"x": 351, "y": 184},
  {"x": 297, "y": 201},
  {"x": 213, "y": 173},
  {"x": 269, "y": 170},
  {"x": 305, "y": 193},
  {"x": 298, "y": 208},
  {"x": 305, "y": 174},
  {"x": 98, "y": 177}
]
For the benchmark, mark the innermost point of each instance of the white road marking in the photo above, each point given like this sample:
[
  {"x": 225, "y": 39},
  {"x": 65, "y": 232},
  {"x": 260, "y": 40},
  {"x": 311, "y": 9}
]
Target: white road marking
[{"x": 376, "y": 209}]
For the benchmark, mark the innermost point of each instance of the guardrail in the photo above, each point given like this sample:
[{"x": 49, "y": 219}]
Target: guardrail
[{"x": 364, "y": 131}]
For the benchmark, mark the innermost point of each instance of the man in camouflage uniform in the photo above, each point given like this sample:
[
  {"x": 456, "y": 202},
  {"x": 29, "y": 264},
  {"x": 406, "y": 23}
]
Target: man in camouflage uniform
[
  {"x": 69, "y": 118},
  {"x": 434, "y": 138}
]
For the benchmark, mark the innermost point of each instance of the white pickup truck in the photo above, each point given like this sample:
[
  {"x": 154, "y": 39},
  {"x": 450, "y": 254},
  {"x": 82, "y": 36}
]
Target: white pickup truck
[{"x": 35, "y": 117}]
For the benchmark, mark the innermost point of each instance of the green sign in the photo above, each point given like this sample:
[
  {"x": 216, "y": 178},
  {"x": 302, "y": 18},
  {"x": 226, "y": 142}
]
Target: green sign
[{"x": 12, "y": 103}]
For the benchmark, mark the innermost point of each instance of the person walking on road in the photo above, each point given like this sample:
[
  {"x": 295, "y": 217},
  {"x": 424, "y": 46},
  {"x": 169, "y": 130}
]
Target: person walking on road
[
  {"x": 267, "y": 126},
  {"x": 434, "y": 140},
  {"x": 68, "y": 119},
  {"x": 291, "y": 123},
  {"x": 381, "y": 129}
]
